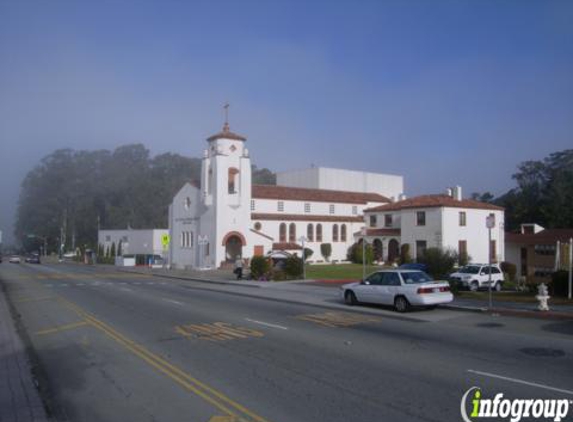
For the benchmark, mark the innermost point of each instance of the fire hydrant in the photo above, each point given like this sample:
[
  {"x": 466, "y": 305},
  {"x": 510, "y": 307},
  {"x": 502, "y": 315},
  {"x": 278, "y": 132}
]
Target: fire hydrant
[{"x": 542, "y": 297}]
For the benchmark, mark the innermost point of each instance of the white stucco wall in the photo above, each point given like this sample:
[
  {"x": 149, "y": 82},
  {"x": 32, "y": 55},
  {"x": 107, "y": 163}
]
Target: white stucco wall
[
  {"x": 344, "y": 180},
  {"x": 134, "y": 242}
]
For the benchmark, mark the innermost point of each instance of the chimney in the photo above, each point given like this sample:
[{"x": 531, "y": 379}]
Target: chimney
[{"x": 458, "y": 193}]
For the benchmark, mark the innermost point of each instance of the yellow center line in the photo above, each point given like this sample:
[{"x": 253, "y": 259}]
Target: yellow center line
[
  {"x": 184, "y": 379},
  {"x": 61, "y": 328}
]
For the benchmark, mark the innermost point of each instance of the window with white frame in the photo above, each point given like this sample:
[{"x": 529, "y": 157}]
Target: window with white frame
[
  {"x": 280, "y": 206},
  {"x": 307, "y": 207},
  {"x": 354, "y": 210},
  {"x": 252, "y": 204},
  {"x": 331, "y": 209}
]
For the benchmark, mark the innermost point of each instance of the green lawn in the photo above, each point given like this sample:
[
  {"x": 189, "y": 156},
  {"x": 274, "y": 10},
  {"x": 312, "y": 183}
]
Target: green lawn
[{"x": 338, "y": 272}]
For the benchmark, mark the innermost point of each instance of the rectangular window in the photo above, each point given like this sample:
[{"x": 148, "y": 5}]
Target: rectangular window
[
  {"x": 421, "y": 246},
  {"x": 354, "y": 210},
  {"x": 108, "y": 238},
  {"x": 331, "y": 208},
  {"x": 388, "y": 220},
  {"x": 373, "y": 220},
  {"x": 421, "y": 218},
  {"x": 252, "y": 204},
  {"x": 125, "y": 239},
  {"x": 462, "y": 218},
  {"x": 306, "y": 207},
  {"x": 280, "y": 206}
]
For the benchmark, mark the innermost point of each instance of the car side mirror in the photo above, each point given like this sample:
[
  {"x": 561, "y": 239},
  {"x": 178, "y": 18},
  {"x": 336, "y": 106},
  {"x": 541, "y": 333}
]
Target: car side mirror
[{"x": 366, "y": 282}]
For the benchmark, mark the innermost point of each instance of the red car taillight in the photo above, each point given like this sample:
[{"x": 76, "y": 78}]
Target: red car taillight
[{"x": 423, "y": 290}]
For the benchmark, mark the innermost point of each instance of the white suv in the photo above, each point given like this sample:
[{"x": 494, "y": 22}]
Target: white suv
[{"x": 476, "y": 276}]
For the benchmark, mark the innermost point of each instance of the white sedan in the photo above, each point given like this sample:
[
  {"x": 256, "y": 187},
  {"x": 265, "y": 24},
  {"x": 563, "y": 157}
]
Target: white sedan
[
  {"x": 14, "y": 259},
  {"x": 400, "y": 288}
]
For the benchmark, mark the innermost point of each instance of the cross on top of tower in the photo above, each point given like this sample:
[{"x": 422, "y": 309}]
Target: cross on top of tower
[{"x": 226, "y": 125}]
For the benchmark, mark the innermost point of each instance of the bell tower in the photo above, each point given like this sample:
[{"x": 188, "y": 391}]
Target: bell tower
[{"x": 226, "y": 193}]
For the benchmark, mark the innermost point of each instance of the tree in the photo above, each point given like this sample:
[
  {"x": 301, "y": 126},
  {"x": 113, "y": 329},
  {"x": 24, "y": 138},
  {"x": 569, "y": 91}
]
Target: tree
[
  {"x": 307, "y": 253},
  {"x": 405, "y": 257},
  {"x": 263, "y": 176}
]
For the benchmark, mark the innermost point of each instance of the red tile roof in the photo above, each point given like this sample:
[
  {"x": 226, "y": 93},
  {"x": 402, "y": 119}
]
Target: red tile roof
[
  {"x": 383, "y": 232},
  {"x": 288, "y": 193},
  {"x": 305, "y": 217},
  {"x": 284, "y": 246},
  {"x": 430, "y": 201},
  {"x": 544, "y": 237},
  {"x": 226, "y": 134}
]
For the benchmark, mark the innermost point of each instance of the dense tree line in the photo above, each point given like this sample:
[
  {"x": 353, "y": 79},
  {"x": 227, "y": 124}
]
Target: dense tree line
[
  {"x": 74, "y": 192},
  {"x": 543, "y": 195}
]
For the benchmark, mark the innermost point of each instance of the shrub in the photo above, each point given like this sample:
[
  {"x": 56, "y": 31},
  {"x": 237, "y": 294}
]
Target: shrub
[
  {"x": 293, "y": 267},
  {"x": 119, "y": 251},
  {"x": 326, "y": 250},
  {"x": 278, "y": 275},
  {"x": 112, "y": 250},
  {"x": 259, "y": 267},
  {"x": 405, "y": 257},
  {"x": 463, "y": 259},
  {"x": 509, "y": 269},
  {"x": 355, "y": 253},
  {"x": 440, "y": 261},
  {"x": 307, "y": 253},
  {"x": 560, "y": 283}
]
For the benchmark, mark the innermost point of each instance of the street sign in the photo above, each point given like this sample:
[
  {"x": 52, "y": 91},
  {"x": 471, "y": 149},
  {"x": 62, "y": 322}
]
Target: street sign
[
  {"x": 165, "y": 240},
  {"x": 490, "y": 221}
]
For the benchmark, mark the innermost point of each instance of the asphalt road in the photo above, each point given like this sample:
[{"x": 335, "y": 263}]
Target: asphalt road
[{"x": 113, "y": 346}]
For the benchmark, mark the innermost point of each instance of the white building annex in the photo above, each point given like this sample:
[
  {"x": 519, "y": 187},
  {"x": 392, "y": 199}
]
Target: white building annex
[
  {"x": 224, "y": 216},
  {"x": 446, "y": 221}
]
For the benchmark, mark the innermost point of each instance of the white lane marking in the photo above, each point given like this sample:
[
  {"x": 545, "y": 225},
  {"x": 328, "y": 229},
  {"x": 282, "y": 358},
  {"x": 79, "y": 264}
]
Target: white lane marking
[
  {"x": 149, "y": 283},
  {"x": 137, "y": 283},
  {"x": 266, "y": 324},
  {"x": 172, "y": 301},
  {"x": 64, "y": 285},
  {"x": 125, "y": 289},
  {"x": 122, "y": 282},
  {"x": 80, "y": 284},
  {"x": 518, "y": 381}
]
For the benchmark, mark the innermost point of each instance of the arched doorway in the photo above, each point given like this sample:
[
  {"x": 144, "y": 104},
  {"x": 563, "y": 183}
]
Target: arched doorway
[
  {"x": 378, "y": 250},
  {"x": 233, "y": 243},
  {"x": 393, "y": 250}
]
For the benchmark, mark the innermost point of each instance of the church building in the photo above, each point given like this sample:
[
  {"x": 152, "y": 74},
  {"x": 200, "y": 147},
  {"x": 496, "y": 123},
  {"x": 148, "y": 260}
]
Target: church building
[{"x": 224, "y": 216}]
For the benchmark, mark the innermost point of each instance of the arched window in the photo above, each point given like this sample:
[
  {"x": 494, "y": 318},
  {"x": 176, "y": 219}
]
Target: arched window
[
  {"x": 292, "y": 232},
  {"x": 310, "y": 233},
  {"x": 233, "y": 180},
  {"x": 335, "y": 233},
  {"x": 319, "y": 232},
  {"x": 343, "y": 232},
  {"x": 282, "y": 232}
]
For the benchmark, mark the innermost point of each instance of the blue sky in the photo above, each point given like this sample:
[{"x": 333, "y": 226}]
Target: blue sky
[{"x": 441, "y": 92}]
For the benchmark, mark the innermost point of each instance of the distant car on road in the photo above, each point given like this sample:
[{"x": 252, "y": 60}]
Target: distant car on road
[
  {"x": 476, "y": 276},
  {"x": 400, "y": 288},
  {"x": 14, "y": 259},
  {"x": 33, "y": 259}
]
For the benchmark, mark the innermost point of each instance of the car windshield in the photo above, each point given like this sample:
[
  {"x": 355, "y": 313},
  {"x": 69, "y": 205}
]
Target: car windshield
[
  {"x": 470, "y": 269},
  {"x": 416, "y": 277}
]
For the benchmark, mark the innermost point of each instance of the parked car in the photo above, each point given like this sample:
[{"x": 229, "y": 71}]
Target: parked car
[
  {"x": 414, "y": 266},
  {"x": 14, "y": 259},
  {"x": 400, "y": 288},
  {"x": 476, "y": 276}
]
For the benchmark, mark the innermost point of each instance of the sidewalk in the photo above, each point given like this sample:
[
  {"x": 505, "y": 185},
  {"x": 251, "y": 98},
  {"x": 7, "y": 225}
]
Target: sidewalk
[
  {"x": 19, "y": 398},
  {"x": 315, "y": 293}
]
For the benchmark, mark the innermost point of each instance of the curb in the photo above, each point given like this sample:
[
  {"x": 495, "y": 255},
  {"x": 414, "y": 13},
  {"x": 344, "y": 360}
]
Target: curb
[{"x": 524, "y": 313}]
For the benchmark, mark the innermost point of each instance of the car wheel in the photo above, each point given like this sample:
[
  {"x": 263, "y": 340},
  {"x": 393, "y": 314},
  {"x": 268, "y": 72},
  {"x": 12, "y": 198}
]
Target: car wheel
[
  {"x": 401, "y": 304},
  {"x": 350, "y": 298},
  {"x": 497, "y": 286},
  {"x": 474, "y": 286}
]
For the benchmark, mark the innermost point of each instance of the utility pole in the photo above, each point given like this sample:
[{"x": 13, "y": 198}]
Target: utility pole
[{"x": 490, "y": 224}]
